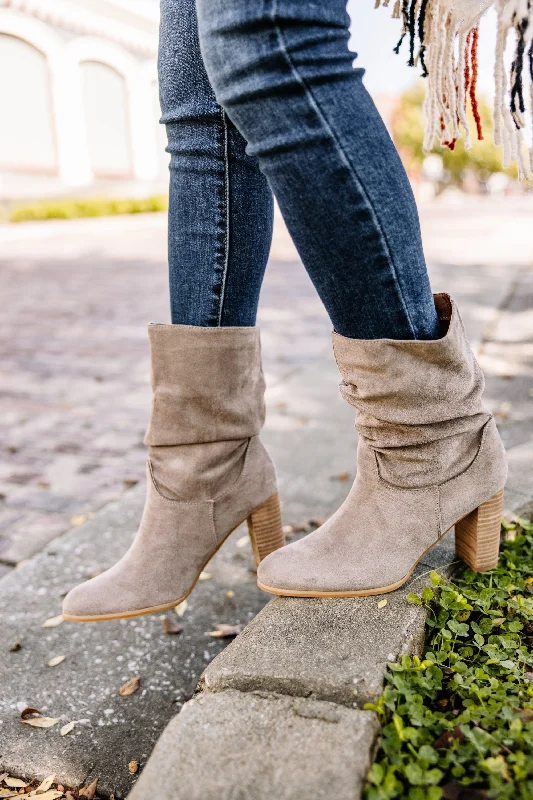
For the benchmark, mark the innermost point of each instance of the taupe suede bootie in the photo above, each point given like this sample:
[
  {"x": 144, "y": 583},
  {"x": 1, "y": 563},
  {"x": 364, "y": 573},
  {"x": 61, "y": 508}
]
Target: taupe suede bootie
[
  {"x": 429, "y": 457},
  {"x": 208, "y": 471}
]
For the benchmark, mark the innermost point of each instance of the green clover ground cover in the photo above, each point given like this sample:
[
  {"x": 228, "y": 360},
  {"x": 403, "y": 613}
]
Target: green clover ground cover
[{"x": 458, "y": 725}]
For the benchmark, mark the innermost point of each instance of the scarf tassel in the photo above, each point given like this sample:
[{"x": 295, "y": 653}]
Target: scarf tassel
[{"x": 443, "y": 38}]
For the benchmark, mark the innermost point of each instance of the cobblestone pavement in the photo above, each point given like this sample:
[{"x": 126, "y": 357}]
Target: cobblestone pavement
[{"x": 74, "y": 368}]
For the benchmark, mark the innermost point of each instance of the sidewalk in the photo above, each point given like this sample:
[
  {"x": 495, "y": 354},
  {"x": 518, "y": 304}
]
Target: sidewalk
[{"x": 280, "y": 706}]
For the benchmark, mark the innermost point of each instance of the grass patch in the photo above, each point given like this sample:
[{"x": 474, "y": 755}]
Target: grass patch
[
  {"x": 458, "y": 725},
  {"x": 87, "y": 207}
]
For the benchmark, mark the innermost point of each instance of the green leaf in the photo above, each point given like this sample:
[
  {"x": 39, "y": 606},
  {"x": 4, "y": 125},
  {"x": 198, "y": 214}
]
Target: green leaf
[
  {"x": 414, "y": 774},
  {"x": 427, "y": 594},
  {"x": 459, "y": 628},
  {"x": 414, "y": 599},
  {"x": 435, "y": 578},
  {"x": 376, "y": 774}
]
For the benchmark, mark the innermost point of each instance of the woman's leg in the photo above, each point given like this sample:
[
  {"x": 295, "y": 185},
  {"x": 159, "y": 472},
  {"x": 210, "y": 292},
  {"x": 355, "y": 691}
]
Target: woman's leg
[
  {"x": 429, "y": 454},
  {"x": 220, "y": 217},
  {"x": 207, "y": 468},
  {"x": 283, "y": 72}
]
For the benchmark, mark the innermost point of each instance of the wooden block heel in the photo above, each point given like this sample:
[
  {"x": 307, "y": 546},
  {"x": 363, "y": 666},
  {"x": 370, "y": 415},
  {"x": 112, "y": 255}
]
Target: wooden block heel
[
  {"x": 477, "y": 536},
  {"x": 266, "y": 529}
]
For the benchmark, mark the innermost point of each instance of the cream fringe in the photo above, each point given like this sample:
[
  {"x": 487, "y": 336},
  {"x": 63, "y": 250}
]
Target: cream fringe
[{"x": 442, "y": 37}]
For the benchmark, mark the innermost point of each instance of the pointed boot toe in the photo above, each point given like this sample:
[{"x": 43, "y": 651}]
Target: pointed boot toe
[
  {"x": 82, "y": 601},
  {"x": 287, "y": 569}
]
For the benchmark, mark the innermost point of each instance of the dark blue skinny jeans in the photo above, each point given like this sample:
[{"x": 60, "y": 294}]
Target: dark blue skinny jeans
[{"x": 260, "y": 97}]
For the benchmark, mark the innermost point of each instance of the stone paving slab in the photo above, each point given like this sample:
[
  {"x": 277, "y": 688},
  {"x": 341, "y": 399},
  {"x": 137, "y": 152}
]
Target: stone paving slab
[
  {"x": 110, "y": 730},
  {"x": 327, "y": 648},
  {"x": 235, "y": 746}
]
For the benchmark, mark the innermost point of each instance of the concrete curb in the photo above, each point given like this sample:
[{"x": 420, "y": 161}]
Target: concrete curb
[{"x": 251, "y": 746}]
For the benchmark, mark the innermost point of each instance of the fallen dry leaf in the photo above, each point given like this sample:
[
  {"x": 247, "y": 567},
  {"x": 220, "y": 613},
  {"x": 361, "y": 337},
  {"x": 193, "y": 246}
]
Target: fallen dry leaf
[
  {"x": 69, "y": 796},
  {"x": 205, "y": 576},
  {"x": 300, "y": 527},
  {"x": 130, "y": 687},
  {"x": 78, "y": 520},
  {"x": 89, "y": 791},
  {"x": 447, "y": 738},
  {"x": 4, "y": 775},
  {"x": 182, "y": 608},
  {"x": 382, "y": 603},
  {"x": 15, "y": 647},
  {"x": 45, "y": 785},
  {"x": 52, "y": 795},
  {"x": 341, "y": 476},
  {"x": 67, "y": 728},
  {"x": 5, "y": 795},
  {"x": 53, "y": 622},
  {"x": 503, "y": 410},
  {"x": 288, "y": 530},
  {"x": 33, "y": 717},
  {"x": 171, "y": 625},
  {"x": 295, "y": 527},
  {"x": 223, "y": 630},
  {"x": 133, "y": 767},
  {"x": 95, "y": 574},
  {"x": 15, "y": 783},
  {"x": 55, "y": 661}
]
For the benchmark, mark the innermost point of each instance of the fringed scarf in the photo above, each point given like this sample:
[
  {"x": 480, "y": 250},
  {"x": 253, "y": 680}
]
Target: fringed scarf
[{"x": 443, "y": 42}]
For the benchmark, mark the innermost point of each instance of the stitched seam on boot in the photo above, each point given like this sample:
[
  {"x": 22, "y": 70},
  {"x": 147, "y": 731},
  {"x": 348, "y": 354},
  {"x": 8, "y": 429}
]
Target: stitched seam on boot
[
  {"x": 433, "y": 489},
  {"x": 244, "y": 471},
  {"x": 473, "y": 463},
  {"x": 170, "y": 500}
]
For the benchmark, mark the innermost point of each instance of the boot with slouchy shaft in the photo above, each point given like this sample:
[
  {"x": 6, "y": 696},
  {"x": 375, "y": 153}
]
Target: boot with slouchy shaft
[
  {"x": 429, "y": 457},
  {"x": 207, "y": 472}
]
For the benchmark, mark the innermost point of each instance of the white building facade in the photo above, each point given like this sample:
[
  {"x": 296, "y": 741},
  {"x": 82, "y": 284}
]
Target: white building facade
[{"x": 79, "y": 106}]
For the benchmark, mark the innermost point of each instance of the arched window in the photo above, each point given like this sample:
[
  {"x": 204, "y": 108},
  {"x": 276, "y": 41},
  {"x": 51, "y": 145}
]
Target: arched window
[
  {"x": 106, "y": 110},
  {"x": 27, "y": 138}
]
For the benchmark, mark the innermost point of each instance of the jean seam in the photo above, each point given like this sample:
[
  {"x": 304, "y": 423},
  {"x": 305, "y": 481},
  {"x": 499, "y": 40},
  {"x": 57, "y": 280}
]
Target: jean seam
[
  {"x": 322, "y": 116},
  {"x": 227, "y": 220}
]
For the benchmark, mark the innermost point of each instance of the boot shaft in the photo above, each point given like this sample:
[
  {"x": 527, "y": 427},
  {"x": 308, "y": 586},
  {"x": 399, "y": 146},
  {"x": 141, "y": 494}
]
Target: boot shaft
[
  {"x": 208, "y": 385},
  {"x": 418, "y": 403}
]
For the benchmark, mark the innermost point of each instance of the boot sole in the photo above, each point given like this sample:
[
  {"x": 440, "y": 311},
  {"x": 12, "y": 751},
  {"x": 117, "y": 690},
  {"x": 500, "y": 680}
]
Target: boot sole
[
  {"x": 477, "y": 542},
  {"x": 266, "y": 534}
]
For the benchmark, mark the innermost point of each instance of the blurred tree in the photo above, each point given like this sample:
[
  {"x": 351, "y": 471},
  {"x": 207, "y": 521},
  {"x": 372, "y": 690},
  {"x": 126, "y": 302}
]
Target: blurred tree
[{"x": 483, "y": 159}]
